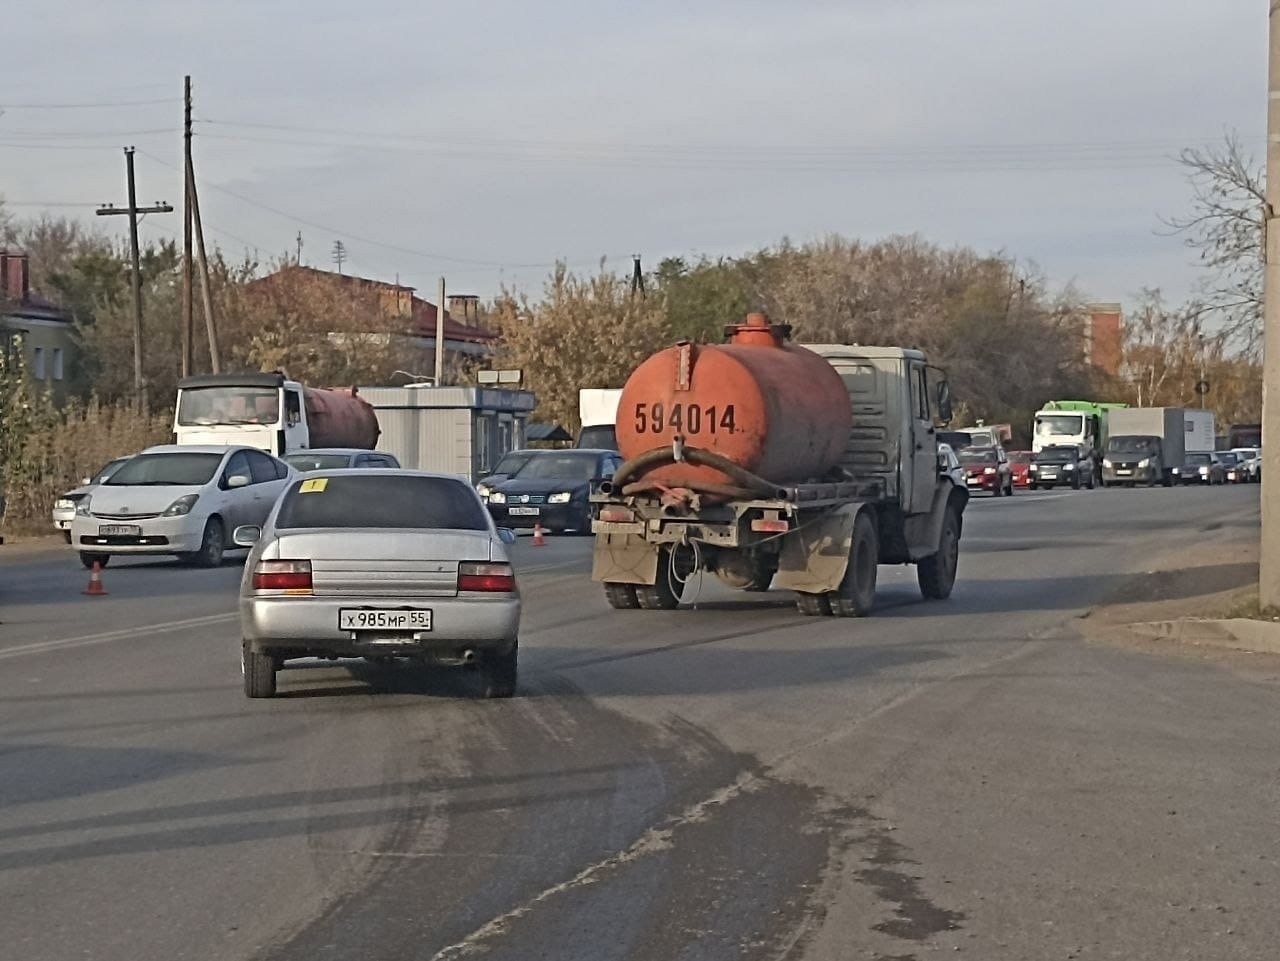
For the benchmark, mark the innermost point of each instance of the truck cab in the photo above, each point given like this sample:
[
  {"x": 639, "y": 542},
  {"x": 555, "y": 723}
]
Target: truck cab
[
  {"x": 598, "y": 415},
  {"x": 258, "y": 410}
]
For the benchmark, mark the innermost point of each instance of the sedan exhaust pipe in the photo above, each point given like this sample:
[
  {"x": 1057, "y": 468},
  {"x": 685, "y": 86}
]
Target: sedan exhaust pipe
[{"x": 468, "y": 656}]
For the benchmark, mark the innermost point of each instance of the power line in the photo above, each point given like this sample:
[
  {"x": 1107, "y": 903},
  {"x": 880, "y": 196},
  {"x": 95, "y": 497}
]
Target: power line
[
  {"x": 46, "y": 203},
  {"x": 1164, "y": 143},
  {"x": 72, "y": 134},
  {"x": 350, "y": 236},
  {"x": 84, "y": 106}
]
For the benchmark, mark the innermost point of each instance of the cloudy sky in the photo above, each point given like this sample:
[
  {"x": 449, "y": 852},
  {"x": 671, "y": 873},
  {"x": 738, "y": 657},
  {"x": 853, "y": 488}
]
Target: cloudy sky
[{"x": 485, "y": 140}]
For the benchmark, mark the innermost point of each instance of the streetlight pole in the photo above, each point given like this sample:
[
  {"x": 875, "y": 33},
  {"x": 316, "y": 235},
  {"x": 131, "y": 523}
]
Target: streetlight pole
[{"x": 1269, "y": 567}]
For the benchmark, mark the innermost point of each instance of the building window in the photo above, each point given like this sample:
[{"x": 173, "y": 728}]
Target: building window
[
  {"x": 37, "y": 363},
  {"x": 57, "y": 363}
]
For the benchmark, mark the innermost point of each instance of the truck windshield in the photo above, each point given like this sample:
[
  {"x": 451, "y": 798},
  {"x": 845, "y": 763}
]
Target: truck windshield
[
  {"x": 203, "y": 406},
  {"x": 1058, "y": 425},
  {"x": 1131, "y": 445},
  {"x": 600, "y": 437}
]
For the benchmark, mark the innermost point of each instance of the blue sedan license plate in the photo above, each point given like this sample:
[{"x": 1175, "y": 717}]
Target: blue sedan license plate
[{"x": 373, "y": 619}]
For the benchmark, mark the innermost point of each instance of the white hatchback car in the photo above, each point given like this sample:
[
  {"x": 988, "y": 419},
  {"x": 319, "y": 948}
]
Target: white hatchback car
[{"x": 182, "y": 500}]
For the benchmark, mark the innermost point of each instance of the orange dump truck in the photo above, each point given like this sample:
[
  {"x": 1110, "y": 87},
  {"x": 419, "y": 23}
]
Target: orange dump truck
[{"x": 767, "y": 464}]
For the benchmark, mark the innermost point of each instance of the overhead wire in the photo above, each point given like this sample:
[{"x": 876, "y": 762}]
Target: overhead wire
[{"x": 351, "y": 236}]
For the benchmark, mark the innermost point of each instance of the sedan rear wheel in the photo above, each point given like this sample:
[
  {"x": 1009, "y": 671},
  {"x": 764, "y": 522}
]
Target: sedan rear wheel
[
  {"x": 259, "y": 672},
  {"x": 499, "y": 669},
  {"x": 88, "y": 559}
]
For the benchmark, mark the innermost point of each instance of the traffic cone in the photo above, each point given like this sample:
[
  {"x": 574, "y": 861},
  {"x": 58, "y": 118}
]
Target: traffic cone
[
  {"x": 95, "y": 588},
  {"x": 538, "y": 539}
]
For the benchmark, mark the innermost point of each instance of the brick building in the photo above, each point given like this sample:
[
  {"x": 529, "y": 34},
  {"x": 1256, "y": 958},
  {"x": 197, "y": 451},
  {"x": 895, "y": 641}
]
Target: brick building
[{"x": 1102, "y": 327}]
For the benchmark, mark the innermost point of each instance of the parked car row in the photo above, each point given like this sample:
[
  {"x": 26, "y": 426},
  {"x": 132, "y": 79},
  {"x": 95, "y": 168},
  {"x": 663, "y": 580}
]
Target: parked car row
[
  {"x": 1240, "y": 466},
  {"x": 990, "y": 468}
]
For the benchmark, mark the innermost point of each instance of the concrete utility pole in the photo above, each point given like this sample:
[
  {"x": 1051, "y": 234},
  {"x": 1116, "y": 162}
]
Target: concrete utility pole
[
  {"x": 440, "y": 337},
  {"x": 188, "y": 285},
  {"x": 1269, "y": 570},
  {"x": 139, "y": 382}
]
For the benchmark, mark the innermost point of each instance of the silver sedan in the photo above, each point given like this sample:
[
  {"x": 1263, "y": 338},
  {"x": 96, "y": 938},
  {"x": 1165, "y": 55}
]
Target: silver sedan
[{"x": 379, "y": 564}]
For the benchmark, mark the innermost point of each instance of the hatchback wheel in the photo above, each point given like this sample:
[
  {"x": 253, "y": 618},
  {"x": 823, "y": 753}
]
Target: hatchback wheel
[
  {"x": 212, "y": 546},
  {"x": 499, "y": 670}
]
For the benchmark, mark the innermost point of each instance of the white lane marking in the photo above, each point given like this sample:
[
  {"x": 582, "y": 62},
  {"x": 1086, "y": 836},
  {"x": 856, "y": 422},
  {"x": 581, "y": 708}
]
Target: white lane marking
[
  {"x": 658, "y": 838},
  {"x": 143, "y": 630}
]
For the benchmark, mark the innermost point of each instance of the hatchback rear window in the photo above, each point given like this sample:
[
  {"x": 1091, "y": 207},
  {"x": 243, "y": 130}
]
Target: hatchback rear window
[{"x": 370, "y": 500}]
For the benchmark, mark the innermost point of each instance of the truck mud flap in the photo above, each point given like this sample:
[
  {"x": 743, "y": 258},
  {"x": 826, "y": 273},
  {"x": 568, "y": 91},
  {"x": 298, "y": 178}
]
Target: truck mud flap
[
  {"x": 815, "y": 555},
  {"x": 624, "y": 559},
  {"x": 924, "y": 531}
]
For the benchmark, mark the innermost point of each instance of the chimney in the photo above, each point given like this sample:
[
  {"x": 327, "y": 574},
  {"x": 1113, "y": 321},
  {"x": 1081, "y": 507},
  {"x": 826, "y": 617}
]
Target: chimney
[{"x": 15, "y": 277}]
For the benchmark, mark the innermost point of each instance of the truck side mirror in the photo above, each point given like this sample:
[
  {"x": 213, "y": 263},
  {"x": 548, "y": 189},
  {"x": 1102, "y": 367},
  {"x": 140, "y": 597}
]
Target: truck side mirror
[{"x": 944, "y": 402}]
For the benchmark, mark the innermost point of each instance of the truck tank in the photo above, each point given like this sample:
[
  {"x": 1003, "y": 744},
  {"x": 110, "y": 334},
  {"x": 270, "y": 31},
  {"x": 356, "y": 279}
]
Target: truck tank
[
  {"x": 336, "y": 417},
  {"x": 760, "y": 409}
]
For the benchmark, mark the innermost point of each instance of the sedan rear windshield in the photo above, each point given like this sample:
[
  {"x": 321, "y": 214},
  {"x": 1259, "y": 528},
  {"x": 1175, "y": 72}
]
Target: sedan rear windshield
[
  {"x": 165, "y": 470},
  {"x": 1056, "y": 457},
  {"x": 382, "y": 501},
  {"x": 1200, "y": 459},
  {"x": 306, "y": 462}
]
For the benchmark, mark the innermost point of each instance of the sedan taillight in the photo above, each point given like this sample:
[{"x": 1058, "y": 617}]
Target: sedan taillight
[
  {"x": 490, "y": 578},
  {"x": 291, "y": 576}
]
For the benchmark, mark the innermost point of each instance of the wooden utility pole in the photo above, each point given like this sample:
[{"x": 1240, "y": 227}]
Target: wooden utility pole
[
  {"x": 1269, "y": 568},
  {"x": 440, "y": 337},
  {"x": 211, "y": 328},
  {"x": 188, "y": 279},
  {"x": 139, "y": 381}
]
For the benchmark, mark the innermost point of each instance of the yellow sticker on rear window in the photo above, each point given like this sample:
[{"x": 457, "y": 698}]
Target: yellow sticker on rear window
[{"x": 313, "y": 486}]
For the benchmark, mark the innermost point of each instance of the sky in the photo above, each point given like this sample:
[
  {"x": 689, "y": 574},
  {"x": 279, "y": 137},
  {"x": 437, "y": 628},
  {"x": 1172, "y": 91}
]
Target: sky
[{"x": 483, "y": 141}]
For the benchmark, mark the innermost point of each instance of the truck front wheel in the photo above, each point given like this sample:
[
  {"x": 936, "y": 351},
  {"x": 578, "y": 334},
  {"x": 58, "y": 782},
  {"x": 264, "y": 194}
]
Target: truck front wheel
[
  {"x": 856, "y": 594},
  {"x": 937, "y": 574}
]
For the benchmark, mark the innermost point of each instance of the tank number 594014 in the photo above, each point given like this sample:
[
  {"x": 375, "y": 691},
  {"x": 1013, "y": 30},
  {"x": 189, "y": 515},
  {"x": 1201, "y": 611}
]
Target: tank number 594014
[{"x": 684, "y": 418}]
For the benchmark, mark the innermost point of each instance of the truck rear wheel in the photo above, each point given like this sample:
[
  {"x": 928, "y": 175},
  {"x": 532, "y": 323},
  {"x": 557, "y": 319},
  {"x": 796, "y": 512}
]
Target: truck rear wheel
[
  {"x": 813, "y": 605},
  {"x": 621, "y": 597},
  {"x": 937, "y": 574},
  {"x": 856, "y": 594},
  {"x": 664, "y": 595}
]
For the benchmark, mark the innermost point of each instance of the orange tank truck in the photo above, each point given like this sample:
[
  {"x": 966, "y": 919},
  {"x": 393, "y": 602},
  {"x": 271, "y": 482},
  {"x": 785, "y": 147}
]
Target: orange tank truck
[
  {"x": 770, "y": 409},
  {"x": 769, "y": 465}
]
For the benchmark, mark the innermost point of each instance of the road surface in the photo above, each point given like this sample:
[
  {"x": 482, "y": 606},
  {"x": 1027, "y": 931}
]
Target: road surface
[{"x": 730, "y": 781}]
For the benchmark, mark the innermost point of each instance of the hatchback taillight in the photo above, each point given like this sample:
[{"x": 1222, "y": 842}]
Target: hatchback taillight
[
  {"x": 291, "y": 576},
  {"x": 492, "y": 578}
]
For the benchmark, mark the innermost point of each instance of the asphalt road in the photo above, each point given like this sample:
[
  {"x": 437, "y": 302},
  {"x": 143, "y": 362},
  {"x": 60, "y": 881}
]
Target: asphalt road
[{"x": 729, "y": 781}]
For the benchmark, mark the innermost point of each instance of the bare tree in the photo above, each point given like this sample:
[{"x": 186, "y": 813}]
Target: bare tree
[{"x": 1226, "y": 226}]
